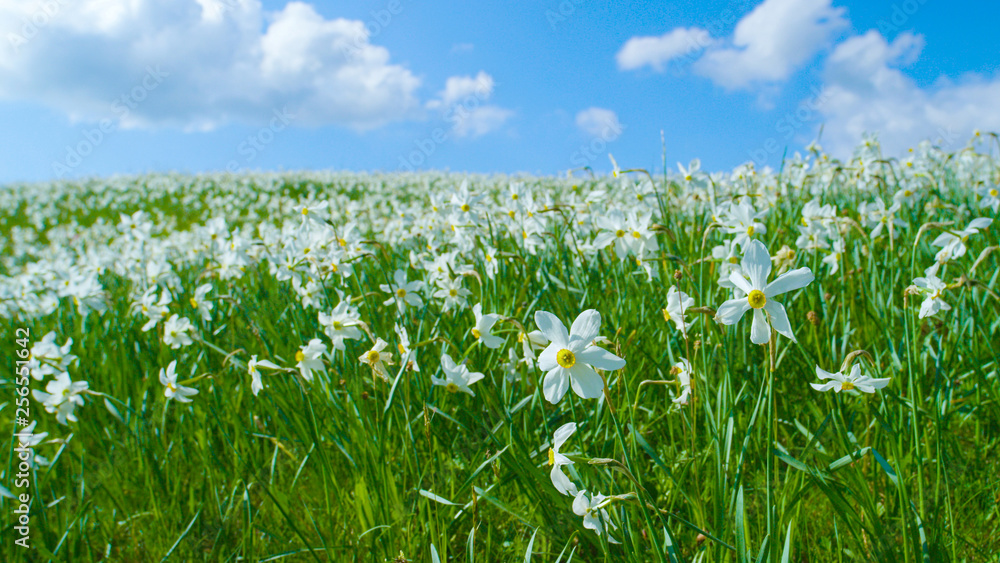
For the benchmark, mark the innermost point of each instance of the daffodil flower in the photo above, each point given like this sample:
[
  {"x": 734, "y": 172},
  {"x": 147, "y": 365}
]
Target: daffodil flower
[
  {"x": 402, "y": 292},
  {"x": 931, "y": 288},
  {"x": 682, "y": 370},
  {"x": 172, "y": 390},
  {"x": 256, "y": 384},
  {"x": 570, "y": 358},
  {"x": 559, "y": 479},
  {"x": 61, "y": 396},
  {"x": 594, "y": 515},
  {"x": 309, "y": 358},
  {"x": 850, "y": 383},
  {"x": 457, "y": 377},
  {"x": 759, "y": 295},
  {"x": 484, "y": 327},
  {"x": 377, "y": 359},
  {"x": 175, "y": 332},
  {"x": 678, "y": 303}
]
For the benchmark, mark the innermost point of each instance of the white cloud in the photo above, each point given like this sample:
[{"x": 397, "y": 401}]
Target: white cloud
[
  {"x": 219, "y": 61},
  {"x": 657, "y": 51},
  {"x": 772, "y": 41},
  {"x": 599, "y": 122},
  {"x": 864, "y": 91},
  {"x": 479, "y": 121},
  {"x": 463, "y": 104}
]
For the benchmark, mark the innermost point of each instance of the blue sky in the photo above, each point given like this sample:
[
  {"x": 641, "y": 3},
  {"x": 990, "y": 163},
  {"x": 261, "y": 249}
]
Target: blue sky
[{"x": 98, "y": 87}]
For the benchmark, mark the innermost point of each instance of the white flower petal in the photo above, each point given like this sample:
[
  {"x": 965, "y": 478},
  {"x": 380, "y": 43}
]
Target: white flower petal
[
  {"x": 551, "y": 327},
  {"x": 739, "y": 281},
  {"x": 587, "y": 325},
  {"x": 760, "y": 332},
  {"x": 586, "y": 383},
  {"x": 779, "y": 319},
  {"x": 600, "y": 359},
  {"x": 555, "y": 385},
  {"x": 789, "y": 281},
  {"x": 562, "y": 434},
  {"x": 732, "y": 311},
  {"x": 757, "y": 263}
]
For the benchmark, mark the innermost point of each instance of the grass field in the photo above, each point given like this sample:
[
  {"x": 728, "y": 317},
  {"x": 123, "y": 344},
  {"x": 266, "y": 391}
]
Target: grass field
[{"x": 396, "y": 367}]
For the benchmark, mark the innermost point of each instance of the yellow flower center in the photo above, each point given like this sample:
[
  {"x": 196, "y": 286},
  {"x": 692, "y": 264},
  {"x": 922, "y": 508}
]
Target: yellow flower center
[
  {"x": 299, "y": 356},
  {"x": 994, "y": 192},
  {"x": 337, "y": 325},
  {"x": 465, "y": 207},
  {"x": 373, "y": 357},
  {"x": 194, "y": 303},
  {"x": 305, "y": 211},
  {"x": 511, "y": 213},
  {"x": 476, "y": 333},
  {"x": 734, "y": 260},
  {"x": 402, "y": 350},
  {"x": 750, "y": 231},
  {"x": 453, "y": 292},
  {"x": 401, "y": 293},
  {"x": 635, "y": 234},
  {"x": 552, "y": 457},
  {"x": 513, "y": 196},
  {"x": 619, "y": 233},
  {"x": 846, "y": 386},
  {"x": 451, "y": 388},
  {"x": 790, "y": 255},
  {"x": 565, "y": 358},
  {"x": 171, "y": 386},
  {"x": 757, "y": 299}
]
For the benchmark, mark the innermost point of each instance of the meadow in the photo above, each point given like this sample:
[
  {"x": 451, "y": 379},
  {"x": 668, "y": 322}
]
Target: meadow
[{"x": 794, "y": 365}]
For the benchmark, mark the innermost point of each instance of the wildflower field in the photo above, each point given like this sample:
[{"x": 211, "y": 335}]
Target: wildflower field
[{"x": 758, "y": 365}]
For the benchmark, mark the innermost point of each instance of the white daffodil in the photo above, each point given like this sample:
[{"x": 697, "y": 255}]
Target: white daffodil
[
  {"x": 931, "y": 287},
  {"x": 168, "y": 378},
  {"x": 570, "y": 358},
  {"x": 559, "y": 479},
  {"x": 61, "y": 396},
  {"x": 175, "y": 332},
  {"x": 952, "y": 245},
  {"x": 742, "y": 221},
  {"x": 833, "y": 258},
  {"x": 48, "y": 358},
  {"x": 678, "y": 303},
  {"x": 594, "y": 515},
  {"x": 759, "y": 295},
  {"x": 309, "y": 358},
  {"x": 341, "y": 324},
  {"x": 682, "y": 370},
  {"x": 457, "y": 377},
  {"x": 990, "y": 197},
  {"x": 851, "y": 383},
  {"x": 256, "y": 384},
  {"x": 376, "y": 359},
  {"x": 154, "y": 310},
  {"x": 484, "y": 326},
  {"x": 453, "y": 293},
  {"x": 202, "y": 305},
  {"x": 402, "y": 292},
  {"x": 407, "y": 355}
]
